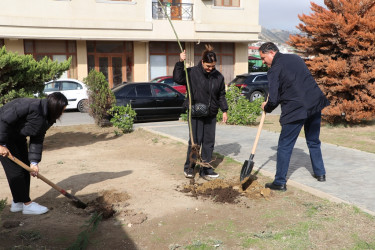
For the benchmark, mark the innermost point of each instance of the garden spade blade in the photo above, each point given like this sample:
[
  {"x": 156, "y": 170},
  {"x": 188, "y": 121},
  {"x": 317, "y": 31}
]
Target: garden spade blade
[{"x": 247, "y": 166}]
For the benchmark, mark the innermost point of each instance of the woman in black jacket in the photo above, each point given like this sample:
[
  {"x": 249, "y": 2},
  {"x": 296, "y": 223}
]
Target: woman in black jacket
[
  {"x": 207, "y": 87},
  {"x": 21, "y": 118}
]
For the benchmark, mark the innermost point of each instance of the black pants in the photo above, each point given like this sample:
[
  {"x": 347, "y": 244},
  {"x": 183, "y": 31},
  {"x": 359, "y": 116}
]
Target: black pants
[
  {"x": 18, "y": 178},
  {"x": 203, "y": 129}
]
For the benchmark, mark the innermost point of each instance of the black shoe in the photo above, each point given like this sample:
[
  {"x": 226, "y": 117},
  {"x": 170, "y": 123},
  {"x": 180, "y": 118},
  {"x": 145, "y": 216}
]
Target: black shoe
[
  {"x": 189, "y": 172},
  {"x": 208, "y": 172},
  {"x": 320, "y": 177},
  {"x": 276, "y": 187}
]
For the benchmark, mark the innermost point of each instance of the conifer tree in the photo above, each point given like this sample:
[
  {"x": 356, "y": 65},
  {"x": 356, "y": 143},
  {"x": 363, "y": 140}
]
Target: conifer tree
[
  {"x": 339, "y": 42},
  {"x": 23, "y": 76}
]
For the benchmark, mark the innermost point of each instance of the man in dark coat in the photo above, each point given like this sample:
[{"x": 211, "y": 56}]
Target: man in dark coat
[{"x": 292, "y": 86}]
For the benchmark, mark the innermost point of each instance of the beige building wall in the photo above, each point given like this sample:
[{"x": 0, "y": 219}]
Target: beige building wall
[
  {"x": 141, "y": 62},
  {"x": 127, "y": 21},
  {"x": 242, "y": 62},
  {"x": 81, "y": 60},
  {"x": 83, "y": 20}
]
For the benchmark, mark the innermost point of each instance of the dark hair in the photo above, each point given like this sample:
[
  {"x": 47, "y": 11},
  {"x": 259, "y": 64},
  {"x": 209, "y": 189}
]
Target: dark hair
[
  {"x": 209, "y": 55},
  {"x": 56, "y": 102},
  {"x": 267, "y": 47}
]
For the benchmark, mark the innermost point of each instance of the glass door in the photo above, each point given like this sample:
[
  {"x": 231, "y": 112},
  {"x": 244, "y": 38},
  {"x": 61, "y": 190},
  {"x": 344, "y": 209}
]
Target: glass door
[{"x": 112, "y": 68}]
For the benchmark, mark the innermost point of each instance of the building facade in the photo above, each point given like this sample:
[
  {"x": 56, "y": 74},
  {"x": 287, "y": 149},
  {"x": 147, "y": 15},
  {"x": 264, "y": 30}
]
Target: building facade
[{"x": 130, "y": 40}]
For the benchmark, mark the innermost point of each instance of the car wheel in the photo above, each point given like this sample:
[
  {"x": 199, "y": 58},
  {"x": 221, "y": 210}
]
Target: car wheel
[
  {"x": 255, "y": 95},
  {"x": 83, "y": 106}
]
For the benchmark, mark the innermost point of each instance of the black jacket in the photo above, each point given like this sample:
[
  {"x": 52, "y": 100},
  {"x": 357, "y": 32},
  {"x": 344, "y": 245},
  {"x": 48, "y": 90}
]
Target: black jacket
[
  {"x": 293, "y": 87},
  {"x": 24, "y": 117},
  {"x": 202, "y": 86}
]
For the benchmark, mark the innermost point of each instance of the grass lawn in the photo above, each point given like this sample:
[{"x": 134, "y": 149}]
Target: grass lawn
[{"x": 361, "y": 137}]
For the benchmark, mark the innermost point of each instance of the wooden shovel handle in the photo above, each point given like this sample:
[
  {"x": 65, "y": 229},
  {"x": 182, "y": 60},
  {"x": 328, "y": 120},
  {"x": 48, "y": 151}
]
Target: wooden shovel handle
[
  {"x": 258, "y": 133},
  {"x": 20, "y": 163}
]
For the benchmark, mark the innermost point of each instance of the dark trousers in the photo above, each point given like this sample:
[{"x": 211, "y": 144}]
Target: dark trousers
[
  {"x": 288, "y": 137},
  {"x": 18, "y": 178},
  {"x": 203, "y": 129}
]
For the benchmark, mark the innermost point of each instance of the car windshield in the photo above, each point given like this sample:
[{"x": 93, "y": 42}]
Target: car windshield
[{"x": 156, "y": 79}]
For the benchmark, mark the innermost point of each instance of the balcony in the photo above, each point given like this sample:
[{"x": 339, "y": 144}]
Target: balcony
[{"x": 176, "y": 11}]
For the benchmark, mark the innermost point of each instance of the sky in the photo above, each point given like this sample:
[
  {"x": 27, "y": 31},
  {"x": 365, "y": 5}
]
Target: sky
[{"x": 283, "y": 14}]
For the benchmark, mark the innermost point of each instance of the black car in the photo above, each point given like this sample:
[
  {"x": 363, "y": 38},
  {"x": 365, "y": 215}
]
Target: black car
[
  {"x": 253, "y": 85},
  {"x": 150, "y": 100}
]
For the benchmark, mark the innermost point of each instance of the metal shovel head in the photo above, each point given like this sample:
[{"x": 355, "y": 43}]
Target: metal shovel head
[{"x": 247, "y": 167}]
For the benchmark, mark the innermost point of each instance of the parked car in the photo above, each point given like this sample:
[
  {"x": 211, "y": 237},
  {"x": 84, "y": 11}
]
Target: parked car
[
  {"x": 75, "y": 91},
  {"x": 169, "y": 80},
  {"x": 253, "y": 85},
  {"x": 151, "y": 100}
]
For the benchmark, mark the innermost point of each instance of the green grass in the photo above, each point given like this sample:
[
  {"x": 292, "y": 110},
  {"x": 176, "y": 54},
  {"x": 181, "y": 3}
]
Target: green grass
[
  {"x": 31, "y": 235},
  {"x": 295, "y": 237},
  {"x": 362, "y": 244},
  {"x": 3, "y": 203},
  {"x": 206, "y": 245}
]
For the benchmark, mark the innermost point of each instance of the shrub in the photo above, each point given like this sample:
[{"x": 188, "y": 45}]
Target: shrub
[
  {"x": 122, "y": 118},
  {"x": 240, "y": 110},
  {"x": 23, "y": 76},
  {"x": 101, "y": 97}
]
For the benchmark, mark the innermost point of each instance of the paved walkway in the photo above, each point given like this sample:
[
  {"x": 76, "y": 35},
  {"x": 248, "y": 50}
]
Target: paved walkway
[{"x": 350, "y": 172}]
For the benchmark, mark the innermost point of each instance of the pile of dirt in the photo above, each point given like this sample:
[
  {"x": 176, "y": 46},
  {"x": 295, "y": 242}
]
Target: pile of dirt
[
  {"x": 227, "y": 191},
  {"x": 108, "y": 203}
]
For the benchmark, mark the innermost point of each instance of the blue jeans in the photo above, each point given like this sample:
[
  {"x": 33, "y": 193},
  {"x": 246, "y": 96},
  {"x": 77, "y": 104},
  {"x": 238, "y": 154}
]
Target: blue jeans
[{"x": 287, "y": 140}]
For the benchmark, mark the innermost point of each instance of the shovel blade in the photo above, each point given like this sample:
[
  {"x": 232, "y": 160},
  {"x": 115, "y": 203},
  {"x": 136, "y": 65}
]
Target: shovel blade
[{"x": 247, "y": 167}]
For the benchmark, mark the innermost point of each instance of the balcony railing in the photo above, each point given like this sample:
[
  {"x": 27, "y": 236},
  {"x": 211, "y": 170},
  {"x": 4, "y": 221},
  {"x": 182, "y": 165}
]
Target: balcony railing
[{"x": 177, "y": 11}]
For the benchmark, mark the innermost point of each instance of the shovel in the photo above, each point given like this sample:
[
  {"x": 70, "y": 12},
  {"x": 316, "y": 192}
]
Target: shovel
[
  {"x": 76, "y": 201},
  {"x": 247, "y": 166}
]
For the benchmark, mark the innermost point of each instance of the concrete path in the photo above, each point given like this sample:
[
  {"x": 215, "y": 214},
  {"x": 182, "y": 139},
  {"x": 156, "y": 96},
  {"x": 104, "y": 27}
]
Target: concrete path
[{"x": 350, "y": 172}]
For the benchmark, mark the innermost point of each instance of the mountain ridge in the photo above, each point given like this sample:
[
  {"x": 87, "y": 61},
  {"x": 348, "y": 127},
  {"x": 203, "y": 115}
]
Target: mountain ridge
[{"x": 275, "y": 35}]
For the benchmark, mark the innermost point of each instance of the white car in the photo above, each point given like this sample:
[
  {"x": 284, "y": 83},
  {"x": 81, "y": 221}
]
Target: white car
[{"x": 75, "y": 91}]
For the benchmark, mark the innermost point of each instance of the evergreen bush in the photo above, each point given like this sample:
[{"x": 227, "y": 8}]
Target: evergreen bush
[
  {"x": 23, "y": 76},
  {"x": 240, "y": 110},
  {"x": 122, "y": 117},
  {"x": 101, "y": 98}
]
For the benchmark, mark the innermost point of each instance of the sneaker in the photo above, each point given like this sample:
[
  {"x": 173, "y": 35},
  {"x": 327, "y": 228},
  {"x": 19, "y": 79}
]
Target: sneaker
[
  {"x": 208, "y": 172},
  {"x": 189, "y": 172},
  {"x": 34, "y": 208},
  {"x": 16, "y": 207}
]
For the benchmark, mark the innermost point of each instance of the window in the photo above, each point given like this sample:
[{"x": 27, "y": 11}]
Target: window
[
  {"x": 227, "y": 3},
  {"x": 56, "y": 50},
  {"x": 224, "y": 55},
  {"x": 113, "y": 58},
  {"x": 163, "y": 57},
  {"x": 143, "y": 91},
  {"x": 52, "y": 86},
  {"x": 163, "y": 91},
  {"x": 70, "y": 86}
]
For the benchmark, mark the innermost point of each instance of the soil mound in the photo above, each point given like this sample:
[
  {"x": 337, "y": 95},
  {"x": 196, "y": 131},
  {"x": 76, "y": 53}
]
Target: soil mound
[
  {"x": 108, "y": 203},
  {"x": 227, "y": 191}
]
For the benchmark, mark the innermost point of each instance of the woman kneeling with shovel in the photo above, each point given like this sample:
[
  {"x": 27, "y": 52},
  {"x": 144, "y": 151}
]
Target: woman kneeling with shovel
[{"x": 19, "y": 119}]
